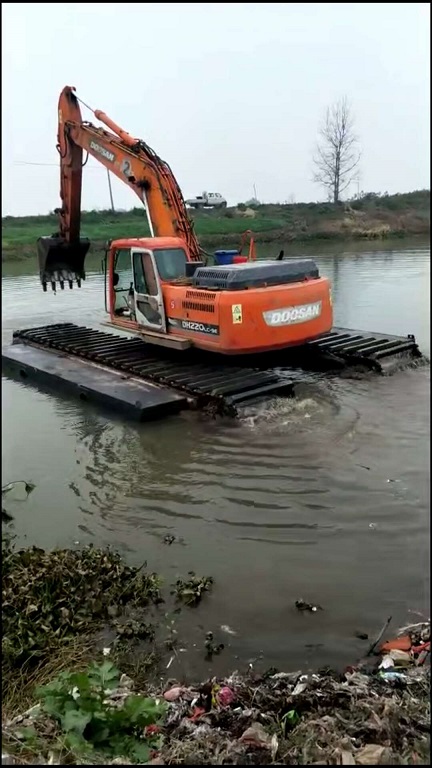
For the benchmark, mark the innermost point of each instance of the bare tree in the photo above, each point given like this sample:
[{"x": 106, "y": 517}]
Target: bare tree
[{"x": 337, "y": 154}]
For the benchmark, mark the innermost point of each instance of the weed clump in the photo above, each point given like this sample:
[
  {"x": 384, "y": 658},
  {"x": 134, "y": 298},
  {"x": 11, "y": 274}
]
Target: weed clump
[
  {"x": 52, "y": 598},
  {"x": 91, "y": 716}
]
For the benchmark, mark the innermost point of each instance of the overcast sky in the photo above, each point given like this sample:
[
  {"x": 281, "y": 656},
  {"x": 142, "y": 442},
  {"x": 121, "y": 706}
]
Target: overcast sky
[{"x": 230, "y": 94}]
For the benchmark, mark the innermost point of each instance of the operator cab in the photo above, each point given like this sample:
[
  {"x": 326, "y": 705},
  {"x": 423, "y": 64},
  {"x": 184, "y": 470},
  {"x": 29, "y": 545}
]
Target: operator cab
[{"x": 136, "y": 271}]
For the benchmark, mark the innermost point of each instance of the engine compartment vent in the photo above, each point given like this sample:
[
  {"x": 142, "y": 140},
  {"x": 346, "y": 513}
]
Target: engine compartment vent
[
  {"x": 200, "y": 295},
  {"x": 198, "y": 306},
  {"x": 257, "y": 274}
]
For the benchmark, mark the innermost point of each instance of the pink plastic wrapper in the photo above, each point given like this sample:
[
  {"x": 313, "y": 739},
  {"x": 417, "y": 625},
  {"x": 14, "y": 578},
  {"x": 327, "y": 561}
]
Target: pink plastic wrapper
[{"x": 225, "y": 696}]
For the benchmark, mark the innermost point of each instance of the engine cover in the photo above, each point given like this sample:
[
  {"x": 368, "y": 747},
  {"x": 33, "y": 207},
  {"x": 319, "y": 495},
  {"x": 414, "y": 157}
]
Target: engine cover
[{"x": 255, "y": 274}]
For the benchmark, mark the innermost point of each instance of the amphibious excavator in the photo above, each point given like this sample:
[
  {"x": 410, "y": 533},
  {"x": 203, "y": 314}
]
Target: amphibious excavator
[
  {"x": 159, "y": 287},
  {"x": 163, "y": 290}
]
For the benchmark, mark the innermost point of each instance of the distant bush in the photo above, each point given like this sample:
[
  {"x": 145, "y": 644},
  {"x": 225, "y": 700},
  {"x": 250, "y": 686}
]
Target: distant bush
[
  {"x": 322, "y": 208},
  {"x": 419, "y": 199}
]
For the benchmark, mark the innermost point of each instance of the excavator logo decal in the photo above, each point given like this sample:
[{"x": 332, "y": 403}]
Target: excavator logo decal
[
  {"x": 291, "y": 315},
  {"x": 102, "y": 151}
]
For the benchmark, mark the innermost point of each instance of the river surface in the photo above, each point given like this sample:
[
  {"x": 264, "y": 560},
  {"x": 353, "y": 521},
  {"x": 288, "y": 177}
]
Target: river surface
[{"x": 324, "y": 498}]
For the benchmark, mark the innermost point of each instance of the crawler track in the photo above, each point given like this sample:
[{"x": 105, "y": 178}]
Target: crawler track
[
  {"x": 223, "y": 388},
  {"x": 223, "y": 384},
  {"x": 375, "y": 351}
]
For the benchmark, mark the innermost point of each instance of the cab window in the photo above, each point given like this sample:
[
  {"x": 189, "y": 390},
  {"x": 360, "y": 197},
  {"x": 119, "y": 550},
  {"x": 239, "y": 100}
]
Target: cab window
[
  {"x": 123, "y": 277},
  {"x": 170, "y": 263},
  {"x": 145, "y": 279},
  {"x": 139, "y": 276},
  {"x": 123, "y": 268}
]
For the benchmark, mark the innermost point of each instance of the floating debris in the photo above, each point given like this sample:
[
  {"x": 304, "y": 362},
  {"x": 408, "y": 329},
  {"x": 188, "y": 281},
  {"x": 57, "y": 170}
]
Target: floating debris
[
  {"x": 302, "y": 605},
  {"x": 225, "y": 628},
  {"x": 211, "y": 647},
  {"x": 192, "y": 589},
  {"x": 6, "y": 517}
]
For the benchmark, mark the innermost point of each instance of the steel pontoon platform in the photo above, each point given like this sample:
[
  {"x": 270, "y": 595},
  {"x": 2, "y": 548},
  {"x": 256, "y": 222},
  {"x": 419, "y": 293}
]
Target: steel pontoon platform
[{"x": 135, "y": 399}]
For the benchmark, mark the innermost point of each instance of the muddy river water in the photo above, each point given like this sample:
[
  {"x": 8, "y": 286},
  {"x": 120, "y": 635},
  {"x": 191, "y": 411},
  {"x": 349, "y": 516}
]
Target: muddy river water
[{"x": 324, "y": 498}]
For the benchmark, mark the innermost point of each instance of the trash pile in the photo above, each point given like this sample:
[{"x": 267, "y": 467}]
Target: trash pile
[
  {"x": 374, "y": 713},
  {"x": 377, "y": 713},
  {"x": 410, "y": 647}
]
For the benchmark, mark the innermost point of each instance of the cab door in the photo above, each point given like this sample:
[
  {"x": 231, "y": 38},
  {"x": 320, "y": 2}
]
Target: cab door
[{"x": 147, "y": 291}]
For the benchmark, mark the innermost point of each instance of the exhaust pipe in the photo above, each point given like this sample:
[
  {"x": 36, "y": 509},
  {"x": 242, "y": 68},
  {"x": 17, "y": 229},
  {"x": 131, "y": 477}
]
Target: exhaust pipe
[{"x": 61, "y": 262}]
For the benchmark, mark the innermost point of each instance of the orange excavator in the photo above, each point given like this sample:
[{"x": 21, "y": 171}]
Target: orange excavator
[
  {"x": 262, "y": 317},
  {"x": 160, "y": 287}
]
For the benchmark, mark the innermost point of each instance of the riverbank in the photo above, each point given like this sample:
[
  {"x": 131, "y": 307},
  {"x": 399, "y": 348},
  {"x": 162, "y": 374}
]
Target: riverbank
[
  {"x": 85, "y": 614},
  {"x": 373, "y": 217},
  {"x": 278, "y": 719}
]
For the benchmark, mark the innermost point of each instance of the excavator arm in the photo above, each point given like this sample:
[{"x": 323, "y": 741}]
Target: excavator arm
[{"x": 62, "y": 256}]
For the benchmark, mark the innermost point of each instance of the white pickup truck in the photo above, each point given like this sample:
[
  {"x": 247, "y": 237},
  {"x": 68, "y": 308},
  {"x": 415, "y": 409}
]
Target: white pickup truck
[{"x": 207, "y": 200}]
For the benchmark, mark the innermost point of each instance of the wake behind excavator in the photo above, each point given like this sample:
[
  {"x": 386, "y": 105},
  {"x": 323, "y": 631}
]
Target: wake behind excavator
[{"x": 163, "y": 289}]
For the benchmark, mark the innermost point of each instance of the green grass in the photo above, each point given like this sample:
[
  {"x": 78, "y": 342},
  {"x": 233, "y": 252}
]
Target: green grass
[{"x": 370, "y": 217}]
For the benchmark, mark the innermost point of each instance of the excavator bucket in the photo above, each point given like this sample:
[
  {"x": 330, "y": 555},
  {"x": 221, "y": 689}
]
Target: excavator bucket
[{"x": 61, "y": 262}]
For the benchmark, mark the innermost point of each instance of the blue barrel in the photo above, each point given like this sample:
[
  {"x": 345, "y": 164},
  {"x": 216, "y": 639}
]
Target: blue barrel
[{"x": 224, "y": 257}]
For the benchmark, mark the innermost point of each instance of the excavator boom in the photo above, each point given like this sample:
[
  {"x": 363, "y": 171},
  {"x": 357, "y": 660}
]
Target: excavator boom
[{"x": 62, "y": 256}]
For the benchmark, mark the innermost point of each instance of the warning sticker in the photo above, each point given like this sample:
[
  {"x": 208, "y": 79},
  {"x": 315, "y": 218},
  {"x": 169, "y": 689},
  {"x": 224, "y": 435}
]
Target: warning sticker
[{"x": 237, "y": 314}]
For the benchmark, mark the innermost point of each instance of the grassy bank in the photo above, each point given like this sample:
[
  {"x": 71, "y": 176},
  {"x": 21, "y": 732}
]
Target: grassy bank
[{"x": 370, "y": 217}]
